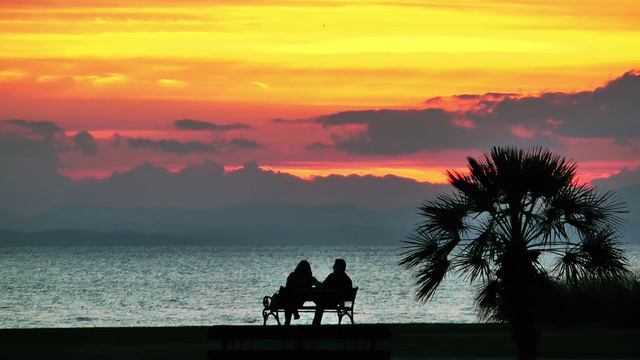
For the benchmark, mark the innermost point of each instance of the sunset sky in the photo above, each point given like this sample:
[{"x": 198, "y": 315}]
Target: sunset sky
[{"x": 294, "y": 85}]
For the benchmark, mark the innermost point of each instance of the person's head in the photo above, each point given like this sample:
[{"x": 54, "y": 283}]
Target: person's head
[
  {"x": 303, "y": 267},
  {"x": 340, "y": 266}
]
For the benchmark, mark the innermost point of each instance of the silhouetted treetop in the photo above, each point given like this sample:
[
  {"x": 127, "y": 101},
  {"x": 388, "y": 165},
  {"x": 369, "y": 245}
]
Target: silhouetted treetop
[{"x": 510, "y": 207}]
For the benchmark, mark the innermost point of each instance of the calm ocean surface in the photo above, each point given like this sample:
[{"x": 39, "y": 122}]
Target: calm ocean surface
[{"x": 174, "y": 286}]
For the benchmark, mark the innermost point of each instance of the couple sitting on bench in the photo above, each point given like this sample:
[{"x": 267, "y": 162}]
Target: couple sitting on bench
[{"x": 302, "y": 279}]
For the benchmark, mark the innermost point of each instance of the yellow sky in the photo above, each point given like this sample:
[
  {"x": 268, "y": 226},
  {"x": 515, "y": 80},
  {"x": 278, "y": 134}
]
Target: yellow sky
[{"x": 348, "y": 53}]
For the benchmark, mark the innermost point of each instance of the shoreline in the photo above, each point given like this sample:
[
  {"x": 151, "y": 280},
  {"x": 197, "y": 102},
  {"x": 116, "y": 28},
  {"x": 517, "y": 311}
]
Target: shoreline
[{"x": 395, "y": 341}]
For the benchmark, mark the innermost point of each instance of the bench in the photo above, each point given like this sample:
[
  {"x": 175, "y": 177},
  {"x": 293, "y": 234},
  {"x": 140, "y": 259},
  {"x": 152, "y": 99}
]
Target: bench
[{"x": 344, "y": 301}]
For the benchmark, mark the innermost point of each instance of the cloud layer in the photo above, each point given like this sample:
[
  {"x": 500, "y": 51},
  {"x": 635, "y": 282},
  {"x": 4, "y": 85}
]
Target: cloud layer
[
  {"x": 191, "y": 147},
  {"x": 86, "y": 143},
  {"x": 198, "y": 125},
  {"x": 44, "y": 129},
  {"x": 493, "y": 119},
  {"x": 171, "y": 146},
  {"x": 32, "y": 150},
  {"x": 30, "y": 182}
]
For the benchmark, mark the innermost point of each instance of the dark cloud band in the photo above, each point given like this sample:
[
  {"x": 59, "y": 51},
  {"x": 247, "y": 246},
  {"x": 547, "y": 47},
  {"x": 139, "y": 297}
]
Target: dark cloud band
[
  {"x": 171, "y": 146},
  {"x": 191, "y": 147},
  {"x": 45, "y": 129},
  {"x": 198, "y": 125},
  {"x": 86, "y": 143},
  {"x": 609, "y": 111}
]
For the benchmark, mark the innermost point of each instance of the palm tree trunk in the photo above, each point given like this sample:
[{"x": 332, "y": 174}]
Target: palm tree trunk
[
  {"x": 519, "y": 304},
  {"x": 518, "y": 277},
  {"x": 525, "y": 335}
]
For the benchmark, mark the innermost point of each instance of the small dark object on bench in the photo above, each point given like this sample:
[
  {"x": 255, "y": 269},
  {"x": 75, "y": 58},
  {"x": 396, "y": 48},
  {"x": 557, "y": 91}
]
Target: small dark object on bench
[{"x": 343, "y": 302}]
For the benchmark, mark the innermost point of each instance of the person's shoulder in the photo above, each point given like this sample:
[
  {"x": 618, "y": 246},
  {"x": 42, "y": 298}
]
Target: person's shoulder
[
  {"x": 347, "y": 280},
  {"x": 342, "y": 275},
  {"x": 330, "y": 277},
  {"x": 293, "y": 277}
]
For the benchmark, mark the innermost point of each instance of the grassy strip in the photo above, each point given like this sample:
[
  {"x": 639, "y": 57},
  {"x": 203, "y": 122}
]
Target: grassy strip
[
  {"x": 494, "y": 341},
  {"x": 408, "y": 341}
]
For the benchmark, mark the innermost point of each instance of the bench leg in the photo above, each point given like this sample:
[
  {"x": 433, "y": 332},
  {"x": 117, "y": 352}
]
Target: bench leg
[
  {"x": 350, "y": 317},
  {"x": 341, "y": 314},
  {"x": 266, "y": 315}
]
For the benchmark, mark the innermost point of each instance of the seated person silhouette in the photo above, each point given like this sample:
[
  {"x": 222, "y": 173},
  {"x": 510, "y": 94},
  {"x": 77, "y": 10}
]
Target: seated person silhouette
[
  {"x": 337, "y": 280},
  {"x": 300, "y": 278}
]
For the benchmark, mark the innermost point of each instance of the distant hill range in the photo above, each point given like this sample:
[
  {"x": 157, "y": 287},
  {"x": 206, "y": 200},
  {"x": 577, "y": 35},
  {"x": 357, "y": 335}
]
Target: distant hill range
[
  {"x": 85, "y": 238},
  {"x": 249, "y": 224},
  {"x": 631, "y": 195}
]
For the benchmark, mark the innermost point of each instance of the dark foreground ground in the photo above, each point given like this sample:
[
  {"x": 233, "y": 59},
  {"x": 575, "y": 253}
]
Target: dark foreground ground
[{"x": 405, "y": 341}]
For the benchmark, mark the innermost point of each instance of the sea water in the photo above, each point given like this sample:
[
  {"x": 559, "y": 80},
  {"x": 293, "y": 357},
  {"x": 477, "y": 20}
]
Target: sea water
[{"x": 188, "y": 285}]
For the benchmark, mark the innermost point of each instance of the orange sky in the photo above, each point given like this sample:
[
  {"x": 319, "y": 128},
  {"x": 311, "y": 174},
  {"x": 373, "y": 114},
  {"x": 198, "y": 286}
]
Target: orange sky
[{"x": 138, "y": 65}]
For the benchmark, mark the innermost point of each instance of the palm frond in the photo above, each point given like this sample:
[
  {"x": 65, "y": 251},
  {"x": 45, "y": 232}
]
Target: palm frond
[
  {"x": 473, "y": 267},
  {"x": 586, "y": 210},
  {"x": 444, "y": 214},
  {"x": 488, "y": 301},
  {"x": 476, "y": 258},
  {"x": 547, "y": 173},
  {"x": 602, "y": 257},
  {"x": 430, "y": 276},
  {"x": 597, "y": 257},
  {"x": 420, "y": 247},
  {"x": 547, "y": 226}
]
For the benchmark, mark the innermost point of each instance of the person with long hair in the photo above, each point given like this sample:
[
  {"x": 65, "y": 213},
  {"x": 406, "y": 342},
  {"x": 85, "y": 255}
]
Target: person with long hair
[{"x": 301, "y": 278}]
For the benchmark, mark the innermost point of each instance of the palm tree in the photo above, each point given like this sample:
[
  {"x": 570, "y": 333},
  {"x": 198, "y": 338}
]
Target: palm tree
[{"x": 511, "y": 207}]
